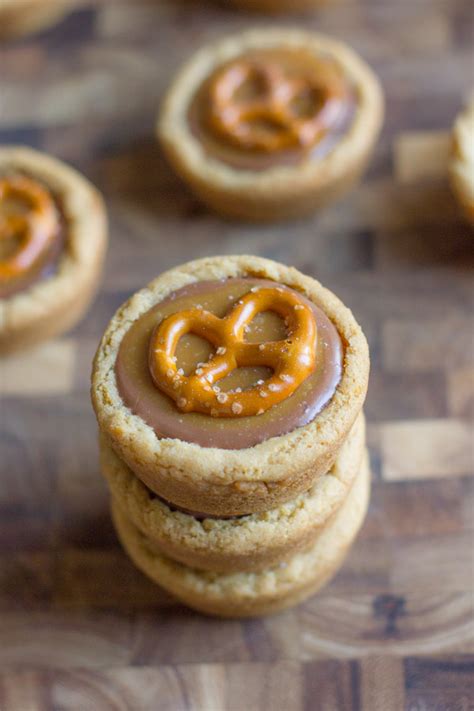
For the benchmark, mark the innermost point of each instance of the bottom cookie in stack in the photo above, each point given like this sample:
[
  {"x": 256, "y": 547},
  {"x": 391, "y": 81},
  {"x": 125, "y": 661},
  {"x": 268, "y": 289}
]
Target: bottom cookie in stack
[
  {"x": 245, "y": 543},
  {"x": 246, "y": 565},
  {"x": 247, "y": 594}
]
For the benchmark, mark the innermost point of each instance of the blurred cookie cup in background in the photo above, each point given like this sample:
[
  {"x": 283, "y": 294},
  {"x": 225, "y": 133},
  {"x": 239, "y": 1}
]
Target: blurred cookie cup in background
[
  {"x": 271, "y": 124},
  {"x": 53, "y": 238},
  {"x": 19, "y": 18}
]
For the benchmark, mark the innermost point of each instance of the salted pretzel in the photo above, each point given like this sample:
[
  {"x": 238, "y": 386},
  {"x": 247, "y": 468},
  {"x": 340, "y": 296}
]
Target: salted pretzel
[
  {"x": 32, "y": 227},
  {"x": 269, "y": 121},
  {"x": 292, "y": 360}
]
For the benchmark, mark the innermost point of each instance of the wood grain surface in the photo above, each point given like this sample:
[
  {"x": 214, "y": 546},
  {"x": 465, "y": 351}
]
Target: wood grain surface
[{"x": 80, "y": 627}]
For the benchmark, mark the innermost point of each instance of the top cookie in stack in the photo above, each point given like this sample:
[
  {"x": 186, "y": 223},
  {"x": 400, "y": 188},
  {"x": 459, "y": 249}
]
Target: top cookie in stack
[{"x": 229, "y": 396}]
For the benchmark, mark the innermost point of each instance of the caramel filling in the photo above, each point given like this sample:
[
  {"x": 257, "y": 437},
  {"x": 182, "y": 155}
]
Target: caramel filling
[
  {"x": 272, "y": 107},
  {"x": 31, "y": 233},
  {"x": 140, "y": 394}
]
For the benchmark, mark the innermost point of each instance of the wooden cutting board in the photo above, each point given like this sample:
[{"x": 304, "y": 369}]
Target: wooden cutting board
[{"x": 80, "y": 627}]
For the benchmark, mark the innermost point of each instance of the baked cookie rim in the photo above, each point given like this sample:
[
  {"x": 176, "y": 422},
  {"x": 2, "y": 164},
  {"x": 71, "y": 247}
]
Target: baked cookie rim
[
  {"x": 25, "y": 4},
  {"x": 27, "y": 17},
  {"x": 461, "y": 165}
]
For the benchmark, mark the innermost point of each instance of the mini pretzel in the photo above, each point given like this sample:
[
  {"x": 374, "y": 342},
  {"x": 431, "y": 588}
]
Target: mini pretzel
[
  {"x": 238, "y": 121},
  {"x": 292, "y": 360},
  {"x": 34, "y": 230}
]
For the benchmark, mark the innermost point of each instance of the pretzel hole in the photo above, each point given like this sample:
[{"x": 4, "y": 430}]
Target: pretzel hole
[
  {"x": 264, "y": 127},
  {"x": 245, "y": 378},
  {"x": 9, "y": 244},
  {"x": 11, "y": 240},
  {"x": 14, "y": 204},
  {"x": 305, "y": 104},
  {"x": 191, "y": 350},
  {"x": 251, "y": 88},
  {"x": 266, "y": 326}
]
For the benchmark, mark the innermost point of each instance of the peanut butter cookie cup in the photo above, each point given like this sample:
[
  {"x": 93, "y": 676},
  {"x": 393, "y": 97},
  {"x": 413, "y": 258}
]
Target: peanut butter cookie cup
[
  {"x": 229, "y": 384},
  {"x": 461, "y": 168},
  {"x": 258, "y": 593},
  {"x": 245, "y": 543},
  {"x": 24, "y": 17},
  {"x": 271, "y": 124},
  {"x": 53, "y": 236}
]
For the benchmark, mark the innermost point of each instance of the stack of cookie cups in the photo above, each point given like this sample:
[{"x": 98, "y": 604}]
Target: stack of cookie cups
[{"x": 236, "y": 513}]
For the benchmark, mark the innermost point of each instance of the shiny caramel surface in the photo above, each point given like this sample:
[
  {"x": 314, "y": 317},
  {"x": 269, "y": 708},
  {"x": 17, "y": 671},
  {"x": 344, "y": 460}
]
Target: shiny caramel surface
[
  {"x": 292, "y": 67},
  {"x": 146, "y": 400}
]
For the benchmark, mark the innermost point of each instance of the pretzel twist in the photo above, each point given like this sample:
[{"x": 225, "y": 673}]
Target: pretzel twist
[
  {"x": 240, "y": 121},
  {"x": 292, "y": 360},
  {"x": 33, "y": 228}
]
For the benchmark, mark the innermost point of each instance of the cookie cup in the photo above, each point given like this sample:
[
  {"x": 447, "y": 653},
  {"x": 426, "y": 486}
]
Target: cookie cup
[
  {"x": 248, "y": 594},
  {"x": 248, "y": 543},
  {"x": 223, "y": 482},
  {"x": 279, "y": 192},
  {"x": 23, "y": 17},
  {"x": 54, "y": 304},
  {"x": 461, "y": 167}
]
